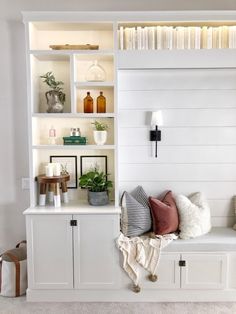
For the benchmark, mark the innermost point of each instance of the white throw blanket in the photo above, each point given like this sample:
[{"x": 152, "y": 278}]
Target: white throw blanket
[{"x": 144, "y": 251}]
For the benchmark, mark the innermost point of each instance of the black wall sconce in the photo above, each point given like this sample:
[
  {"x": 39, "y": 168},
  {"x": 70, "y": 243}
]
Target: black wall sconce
[{"x": 155, "y": 134}]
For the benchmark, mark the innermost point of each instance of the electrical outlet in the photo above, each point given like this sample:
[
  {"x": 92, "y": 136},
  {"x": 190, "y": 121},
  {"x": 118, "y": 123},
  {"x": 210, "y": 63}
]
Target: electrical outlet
[{"x": 25, "y": 183}]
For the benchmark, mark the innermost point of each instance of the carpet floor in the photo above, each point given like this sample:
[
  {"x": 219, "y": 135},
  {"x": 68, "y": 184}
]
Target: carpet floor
[{"x": 20, "y": 306}]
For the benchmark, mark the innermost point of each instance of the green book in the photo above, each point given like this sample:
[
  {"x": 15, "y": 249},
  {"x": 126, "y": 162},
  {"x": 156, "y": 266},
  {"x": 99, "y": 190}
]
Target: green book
[{"x": 75, "y": 140}]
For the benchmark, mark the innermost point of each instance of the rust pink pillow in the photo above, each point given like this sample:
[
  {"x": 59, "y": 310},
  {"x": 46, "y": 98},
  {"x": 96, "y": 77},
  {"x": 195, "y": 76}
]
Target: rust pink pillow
[{"x": 165, "y": 217}]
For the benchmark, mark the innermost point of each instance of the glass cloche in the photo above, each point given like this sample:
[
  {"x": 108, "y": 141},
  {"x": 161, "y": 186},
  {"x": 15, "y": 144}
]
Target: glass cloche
[{"x": 95, "y": 73}]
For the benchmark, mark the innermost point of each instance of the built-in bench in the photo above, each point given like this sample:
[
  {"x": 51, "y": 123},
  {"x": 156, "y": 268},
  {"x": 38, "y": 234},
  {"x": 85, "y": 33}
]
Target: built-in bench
[
  {"x": 219, "y": 239},
  {"x": 200, "y": 269}
]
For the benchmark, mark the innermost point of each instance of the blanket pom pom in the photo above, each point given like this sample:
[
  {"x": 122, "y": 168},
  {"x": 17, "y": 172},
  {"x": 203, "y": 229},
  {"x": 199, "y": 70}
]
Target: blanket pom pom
[
  {"x": 152, "y": 277},
  {"x": 136, "y": 289}
]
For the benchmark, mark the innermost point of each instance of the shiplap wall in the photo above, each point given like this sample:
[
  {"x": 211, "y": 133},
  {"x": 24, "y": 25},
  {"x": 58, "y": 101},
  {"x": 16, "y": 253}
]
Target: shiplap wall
[{"x": 198, "y": 147}]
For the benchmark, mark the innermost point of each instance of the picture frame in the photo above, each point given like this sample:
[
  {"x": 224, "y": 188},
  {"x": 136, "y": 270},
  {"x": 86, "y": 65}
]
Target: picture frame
[
  {"x": 88, "y": 162},
  {"x": 70, "y": 162}
]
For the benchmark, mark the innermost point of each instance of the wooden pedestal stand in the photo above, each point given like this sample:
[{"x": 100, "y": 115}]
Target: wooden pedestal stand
[{"x": 52, "y": 185}]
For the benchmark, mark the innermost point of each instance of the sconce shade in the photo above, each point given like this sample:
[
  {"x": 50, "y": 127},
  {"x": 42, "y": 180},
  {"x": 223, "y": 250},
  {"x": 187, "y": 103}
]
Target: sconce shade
[{"x": 156, "y": 118}]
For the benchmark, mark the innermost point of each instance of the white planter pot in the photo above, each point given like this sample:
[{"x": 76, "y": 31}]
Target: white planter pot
[{"x": 100, "y": 137}]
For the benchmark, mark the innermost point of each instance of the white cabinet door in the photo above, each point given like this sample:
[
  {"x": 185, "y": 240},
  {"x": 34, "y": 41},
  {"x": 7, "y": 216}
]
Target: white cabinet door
[
  {"x": 168, "y": 273},
  {"x": 204, "y": 271},
  {"x": 95, "y": 252},
  {"x": 232, "y": 271},
  {"x": 50, "y": 256}
]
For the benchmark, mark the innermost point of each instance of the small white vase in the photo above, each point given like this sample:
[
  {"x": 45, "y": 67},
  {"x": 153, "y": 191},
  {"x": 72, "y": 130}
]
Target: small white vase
[
  {"x": 100, "y": 137},
  {"x": 95, "y": 73}
]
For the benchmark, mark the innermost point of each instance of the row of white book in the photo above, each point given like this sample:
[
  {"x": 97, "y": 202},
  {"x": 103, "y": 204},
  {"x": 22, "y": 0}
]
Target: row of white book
[{"x": 179, "y": 37}]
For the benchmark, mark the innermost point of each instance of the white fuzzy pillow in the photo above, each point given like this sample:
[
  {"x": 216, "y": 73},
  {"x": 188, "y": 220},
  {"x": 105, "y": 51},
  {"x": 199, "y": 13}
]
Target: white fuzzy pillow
[{"x": 194, "y": 215}]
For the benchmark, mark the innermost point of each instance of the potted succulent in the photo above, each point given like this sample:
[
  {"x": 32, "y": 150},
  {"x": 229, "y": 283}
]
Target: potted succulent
[
  {"x": 100, "y": 132},
  {"x": 97, "y": 185},
  {"x": 55, "y": 97}
]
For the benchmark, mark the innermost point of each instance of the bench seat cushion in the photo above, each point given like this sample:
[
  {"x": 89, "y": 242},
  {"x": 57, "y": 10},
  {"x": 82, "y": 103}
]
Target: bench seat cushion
[{"x": 218, "y": 239}]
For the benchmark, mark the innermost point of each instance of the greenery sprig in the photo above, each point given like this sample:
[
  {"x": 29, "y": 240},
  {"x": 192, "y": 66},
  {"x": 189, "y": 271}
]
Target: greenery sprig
[
  {"x": 99, "y": 126},
  {"x": 50, "y": 80}
]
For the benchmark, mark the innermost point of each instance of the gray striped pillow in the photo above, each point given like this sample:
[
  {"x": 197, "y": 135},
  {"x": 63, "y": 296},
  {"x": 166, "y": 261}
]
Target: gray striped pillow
[{"x": 135, "y": 214}]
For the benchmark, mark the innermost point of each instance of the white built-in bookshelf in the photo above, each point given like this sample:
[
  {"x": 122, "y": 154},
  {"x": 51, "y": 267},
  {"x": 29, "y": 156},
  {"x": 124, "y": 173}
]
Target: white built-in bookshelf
[
  {"x": 205, "y": 39},
  {"x": 182, "y": 63}
]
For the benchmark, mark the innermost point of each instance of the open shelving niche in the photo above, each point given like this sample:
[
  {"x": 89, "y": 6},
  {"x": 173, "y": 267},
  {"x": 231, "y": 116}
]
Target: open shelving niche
[
  {"x": 172, "y": 57},
  {"x": 82, "y": 63},
  {"x": 70, "y": 66}
]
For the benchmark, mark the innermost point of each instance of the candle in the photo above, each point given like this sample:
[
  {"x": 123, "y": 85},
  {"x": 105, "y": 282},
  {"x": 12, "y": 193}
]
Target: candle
[
  {"x": 56, "y": 169},
  {"x": 52, "y": 136},
  {"x": 49, "y": 170}
]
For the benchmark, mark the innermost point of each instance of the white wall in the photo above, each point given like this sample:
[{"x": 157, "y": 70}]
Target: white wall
[
  {"x": 13, "y": 118},
  {"x": 198, "y": 147}
]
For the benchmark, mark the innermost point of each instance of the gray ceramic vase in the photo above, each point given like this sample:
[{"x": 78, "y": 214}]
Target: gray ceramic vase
[
  {"x": 55, "y": 101},
  {"x": 98, "y": 198}
]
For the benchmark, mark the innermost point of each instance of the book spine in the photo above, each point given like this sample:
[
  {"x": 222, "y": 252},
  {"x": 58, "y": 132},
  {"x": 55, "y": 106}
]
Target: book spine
[
  {"x": 177, "y": 38},
  {"x": 232, "y": 32},
  {"x": 204, "y": 37},
  {"x": 186, "y": 38},
  {"x": 146, "y": 38},
  {"x": 142, "y": 38},
  {"x": 152, "y": 38},
  {"x": 234, "y": 37},
  {"x": 174, "y": 38},
  {"x": 209, "y": 38},
  {"x": 126, "y": 38},
  {"x": 192, "y": 38},
  {"x": 170, "y": 34},
  {"x": 133, "y": 38},
  {"x": 159, "y": 37},
  {"x": 225, "y": 37},
  {"x": 189, "y": 37},
  {"x": 164, "y": 37},
  {"x": 139, "y": 38},
  {"x": 197, "y": 37},
  {"x": 219, "y": 37},
  {"x": 230, "y": 37},
  {"x": 180, "y": 37},
  {"x": 121, "y": 38},
  {"x": 214, "y": 38}
]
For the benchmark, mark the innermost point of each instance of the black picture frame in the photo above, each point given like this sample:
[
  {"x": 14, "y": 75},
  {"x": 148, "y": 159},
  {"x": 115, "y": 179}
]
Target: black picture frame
[
  {"x": 72, "y": 161},
  {"x": 90, "y": 161}
]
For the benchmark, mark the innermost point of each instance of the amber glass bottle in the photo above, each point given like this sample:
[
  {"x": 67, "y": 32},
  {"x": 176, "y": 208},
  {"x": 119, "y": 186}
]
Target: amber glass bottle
[
  {"x": 101, "y": 103},
  {"x": 88, "y": 103}
]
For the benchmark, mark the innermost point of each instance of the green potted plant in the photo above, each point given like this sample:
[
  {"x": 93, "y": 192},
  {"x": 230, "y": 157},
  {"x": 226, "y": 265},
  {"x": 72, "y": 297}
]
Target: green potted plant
[
  {"x": 55, "y": 97},
  {"x": 100, "y": 132},
  {"x": 97, "y": 185}
]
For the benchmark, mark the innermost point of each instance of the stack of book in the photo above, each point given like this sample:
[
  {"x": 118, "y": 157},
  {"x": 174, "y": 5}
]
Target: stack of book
[
  {"x": 75, "y": 140},
  {"x": 178, "y": 37}
]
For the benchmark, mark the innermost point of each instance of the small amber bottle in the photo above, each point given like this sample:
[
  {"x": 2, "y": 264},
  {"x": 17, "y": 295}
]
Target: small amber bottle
[
  {"x": 88, "y": 103},
  {"x": 101, "y": 103}
]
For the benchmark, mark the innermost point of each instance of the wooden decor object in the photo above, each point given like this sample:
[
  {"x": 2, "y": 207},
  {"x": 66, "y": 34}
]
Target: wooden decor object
[{"x": 74, "y": 47}]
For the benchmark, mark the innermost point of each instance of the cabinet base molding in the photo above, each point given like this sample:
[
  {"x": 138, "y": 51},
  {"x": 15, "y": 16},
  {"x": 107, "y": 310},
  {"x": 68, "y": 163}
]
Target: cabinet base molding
[{"x": 126, "y": 295}]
